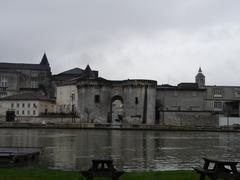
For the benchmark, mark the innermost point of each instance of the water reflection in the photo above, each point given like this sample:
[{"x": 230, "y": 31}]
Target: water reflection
[{"x": 131, "y": 150}]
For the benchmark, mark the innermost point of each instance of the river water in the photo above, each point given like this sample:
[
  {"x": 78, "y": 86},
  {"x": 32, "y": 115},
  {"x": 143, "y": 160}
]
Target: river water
[{"x": 130, "y": 150}]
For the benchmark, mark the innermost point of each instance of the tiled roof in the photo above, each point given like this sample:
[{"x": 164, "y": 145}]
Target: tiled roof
[{"x": 27, "y": 96}]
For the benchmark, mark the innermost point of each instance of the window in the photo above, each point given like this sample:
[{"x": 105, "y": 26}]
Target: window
[
  {"x": 34, "y": 84},
  {"x": 17, "y": 112},
  {"x": 29, "y": 105},
  {"x": 97, "y": 99},
  {"x": 218, "y": 105},
  {"x": 34, "y": 105},
  {"x": 218, "y": 92},
  {"x": 34, "y": 74},
  {"x": 136, "y": 100},
  {"x": 18, "y": 105},
  {"x": 23, "y": 105},
  {"x": 237, "y": 92},
  {"x": 34, "y": 79},
  {"x": 41, "y": 76},
  {"x": 23, "y": 112},
  {"x": 12, "y": 105},
  {"x": 28, "y": 112},
  {"x": 3, "y": 81},
  {"x": 34, "y": 112}
]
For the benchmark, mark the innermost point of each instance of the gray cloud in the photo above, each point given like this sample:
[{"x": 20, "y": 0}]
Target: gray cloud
[{"x": 155, "y": 39}]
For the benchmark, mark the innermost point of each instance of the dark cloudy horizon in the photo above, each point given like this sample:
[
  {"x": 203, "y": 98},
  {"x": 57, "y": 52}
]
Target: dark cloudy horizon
[{"x": 166, "y": 41}]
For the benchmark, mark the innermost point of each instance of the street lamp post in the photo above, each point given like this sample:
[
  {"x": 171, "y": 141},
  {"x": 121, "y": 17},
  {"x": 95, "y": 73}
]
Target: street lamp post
[{"x": 73, "y": 114}]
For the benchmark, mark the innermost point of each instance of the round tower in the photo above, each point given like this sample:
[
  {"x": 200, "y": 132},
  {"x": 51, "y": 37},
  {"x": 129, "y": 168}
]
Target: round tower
[{"x": 200, "y": 78}]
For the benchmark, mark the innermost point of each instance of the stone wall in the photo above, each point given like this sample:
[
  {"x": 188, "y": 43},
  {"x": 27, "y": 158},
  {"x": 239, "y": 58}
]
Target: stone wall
[
  {"x": 42, "y": 119},
  {"x": 12, "y": 83},
  {"x": 137, "y": 96},
  {"x": 21, "y": 79},
  {"x": 66, "y": 97},
  {"x": 181, "y": 99},
  {"x": 189, "y": 118}
]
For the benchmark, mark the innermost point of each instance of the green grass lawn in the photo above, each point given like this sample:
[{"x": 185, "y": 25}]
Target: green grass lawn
[{"x": 45, "y": 174}]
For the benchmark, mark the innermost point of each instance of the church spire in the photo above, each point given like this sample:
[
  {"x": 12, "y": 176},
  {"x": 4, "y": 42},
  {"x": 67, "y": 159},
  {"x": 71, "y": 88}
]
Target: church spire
[
  {"x": 199, "y": 70},
  {"x": 200, "y": 78},
  {"x": 44, "y": 60}
]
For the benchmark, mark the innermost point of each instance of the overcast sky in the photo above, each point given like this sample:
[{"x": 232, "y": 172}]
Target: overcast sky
[{"x": 163, "y": 40}]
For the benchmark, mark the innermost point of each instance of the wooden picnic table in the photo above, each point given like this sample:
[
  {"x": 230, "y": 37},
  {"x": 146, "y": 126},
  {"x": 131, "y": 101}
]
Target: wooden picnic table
[
  {"x": 102, "y": 167},
  {"x": 215, "y": 169}
]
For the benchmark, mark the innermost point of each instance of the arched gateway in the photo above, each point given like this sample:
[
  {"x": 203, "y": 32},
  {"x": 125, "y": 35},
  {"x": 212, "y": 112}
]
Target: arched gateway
[
  {"x": 98, "y": 100},
  {"x": 116, "y": 110}
]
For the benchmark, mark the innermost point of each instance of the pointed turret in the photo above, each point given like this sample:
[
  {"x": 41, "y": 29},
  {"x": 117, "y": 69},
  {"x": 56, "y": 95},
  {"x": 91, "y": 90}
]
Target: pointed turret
[
  {"x": 199, "y": 70},
  {"x": 44, "y": 60},
  {"x": 200, "y": 78},
  {"x": 88, "y": 73}
]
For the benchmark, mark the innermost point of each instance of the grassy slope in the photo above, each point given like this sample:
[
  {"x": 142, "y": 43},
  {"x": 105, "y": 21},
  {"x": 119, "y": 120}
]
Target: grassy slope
[{"x": 43, "y": 174}]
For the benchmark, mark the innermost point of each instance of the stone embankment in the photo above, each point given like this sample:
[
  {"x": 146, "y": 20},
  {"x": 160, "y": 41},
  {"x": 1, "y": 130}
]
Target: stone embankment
[{"x": 113, "y": 127}]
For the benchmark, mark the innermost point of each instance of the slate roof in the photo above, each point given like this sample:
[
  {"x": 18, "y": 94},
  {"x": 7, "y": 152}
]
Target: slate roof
[
  {"x": 188, "y": 85},
  {"x": 74, "y": 71},
  {"x": 23, "y": 66},
  {"x": 77, "y": 72},
  {"x": 44, "y": 65},
  {"x": 26, "y": 97},
  {"x": 181, "y": 86},
  {"x": 44, "y": 60}
]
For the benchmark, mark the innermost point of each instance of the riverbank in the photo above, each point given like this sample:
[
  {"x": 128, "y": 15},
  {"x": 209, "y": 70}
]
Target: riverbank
[
  {"x": 46, "y": 174},
  {"x": 116, "y": 127}
]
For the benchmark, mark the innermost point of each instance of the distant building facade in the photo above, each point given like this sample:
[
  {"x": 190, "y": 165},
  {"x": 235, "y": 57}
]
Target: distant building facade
[
  {"x": 97, "y": 100},
  {"x": 223, "y": 99},
  {"x": 82, "y": 93},
  {"x": 17, "y": 78},
  {"x": 69, "y": 75},
  {"x": 184, "y": 96},
  {"x": 183, "y": 105},
  {"x": 27, "y": 105}
]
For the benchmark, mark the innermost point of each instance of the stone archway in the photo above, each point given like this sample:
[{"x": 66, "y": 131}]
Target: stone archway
[{"x": 117, "y": 110}]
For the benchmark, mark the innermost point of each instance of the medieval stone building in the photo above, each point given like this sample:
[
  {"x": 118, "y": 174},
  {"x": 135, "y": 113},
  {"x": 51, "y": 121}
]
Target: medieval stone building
[
  {"x": 17, "y": 78},
  {"x": 98, "y": 100},
  {"x": 92, "y": 99}
]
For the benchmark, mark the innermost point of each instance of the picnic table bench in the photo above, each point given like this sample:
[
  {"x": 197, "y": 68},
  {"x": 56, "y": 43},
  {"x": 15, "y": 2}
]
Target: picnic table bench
[
  {"x": 102, "y": 167},
  {"x": 220, "y": 169}
]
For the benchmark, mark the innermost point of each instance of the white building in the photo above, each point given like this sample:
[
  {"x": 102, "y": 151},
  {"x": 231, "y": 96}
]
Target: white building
[
  {"x": 27, "y": 104},
  {"x": 67, "y": 99}
]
